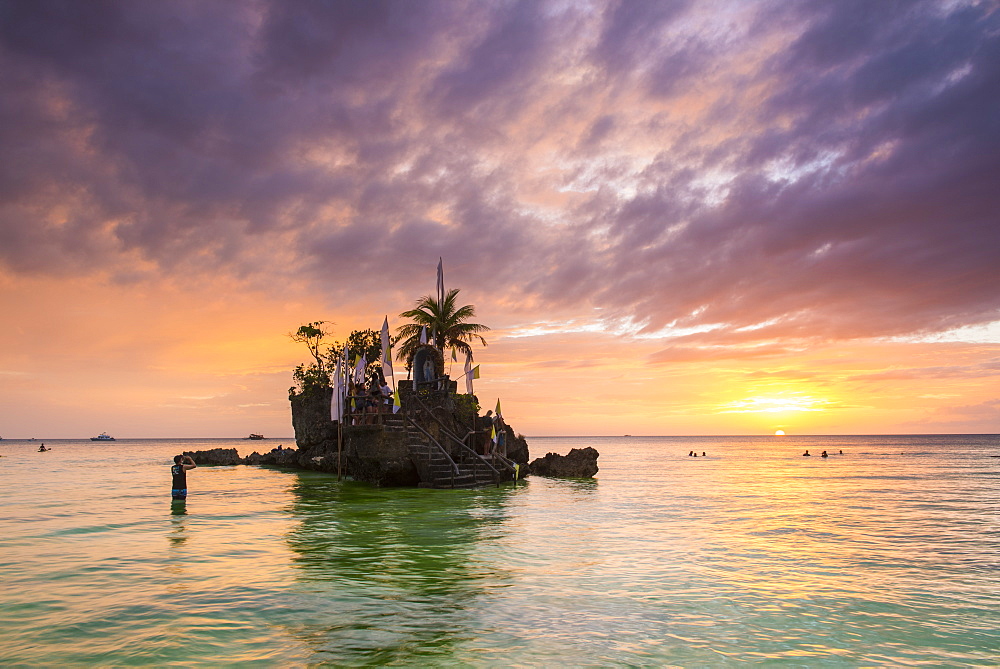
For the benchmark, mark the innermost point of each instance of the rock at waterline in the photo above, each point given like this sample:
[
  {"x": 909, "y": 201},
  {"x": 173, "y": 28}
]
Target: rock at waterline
[
  {"x": 286, "y": 457},
  {"x": 216, "y": 457},
  {"x": 221, "y": 457},
  {"x": 579, "y": 463}
]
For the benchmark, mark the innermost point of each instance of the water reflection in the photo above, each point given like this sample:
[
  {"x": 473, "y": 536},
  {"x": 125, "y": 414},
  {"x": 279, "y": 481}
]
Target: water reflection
[
  {"x": 394, "y": 573},
  {"x": 581, "y": 487},
  {"x": 176, "y": 539},
  {"x": 178, "y": 530}
]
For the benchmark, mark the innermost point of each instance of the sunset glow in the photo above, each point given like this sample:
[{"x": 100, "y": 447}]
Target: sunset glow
[
  {"x": 677, "y": 218},
  {"x": 774, "y": 405}
]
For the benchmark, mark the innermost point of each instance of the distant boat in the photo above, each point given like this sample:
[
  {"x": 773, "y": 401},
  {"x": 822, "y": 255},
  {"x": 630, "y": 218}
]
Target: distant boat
[
  {"x": 256, "y": 436},
  {"x": 103, "y": 436}
]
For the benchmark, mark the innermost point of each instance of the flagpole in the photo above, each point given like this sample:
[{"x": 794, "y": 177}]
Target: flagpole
[
  {"x": 440, "y": 292},
  {"x": 340, "y": 424}
]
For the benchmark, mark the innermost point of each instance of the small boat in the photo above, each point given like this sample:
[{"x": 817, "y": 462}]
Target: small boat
[
  {"x": 103, "y": 436},
  {"x": 256, "y": 436}
]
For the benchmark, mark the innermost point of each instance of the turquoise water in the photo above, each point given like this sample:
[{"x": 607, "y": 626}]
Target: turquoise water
[{"x": 886, "y": 555}]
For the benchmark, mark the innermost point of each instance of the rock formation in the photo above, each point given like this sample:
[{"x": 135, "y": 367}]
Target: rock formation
[
  {"x": 579, "y": 463},
  {"x": 216, "y": 457},
  {"x": 396, "y": 450}
]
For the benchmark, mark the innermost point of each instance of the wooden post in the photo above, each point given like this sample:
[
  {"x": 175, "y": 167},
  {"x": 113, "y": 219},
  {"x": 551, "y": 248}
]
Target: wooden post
[{"x": 340, "y": 439}]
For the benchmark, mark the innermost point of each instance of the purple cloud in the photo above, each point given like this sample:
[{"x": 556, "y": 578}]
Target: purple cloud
[{"x": 815, "y": 170}]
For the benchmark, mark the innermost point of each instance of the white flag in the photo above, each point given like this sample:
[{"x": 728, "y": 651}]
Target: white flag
[
  {"x": 423, "y": 335},
  {"x": 440, "y": 282},
  {"x": 359, "y": 370},
  {"x": 386, "y": 353},
  {"x": 336, "y": 402},
  {"x": 468, "y": 373}
]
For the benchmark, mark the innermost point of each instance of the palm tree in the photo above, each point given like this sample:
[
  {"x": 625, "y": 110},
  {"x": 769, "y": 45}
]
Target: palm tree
[{"x": 444, "y": 322}]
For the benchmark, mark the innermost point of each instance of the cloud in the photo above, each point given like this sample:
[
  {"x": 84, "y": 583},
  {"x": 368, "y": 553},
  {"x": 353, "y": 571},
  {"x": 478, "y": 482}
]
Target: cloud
[
  {"x": 827, "y": 169},
  {"x": 987, "y": 369}
]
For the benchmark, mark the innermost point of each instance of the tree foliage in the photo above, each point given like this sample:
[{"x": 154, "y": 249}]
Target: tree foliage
[
  {"x": 316, "y": 374},
  {"x": 362, "y": 342},
  {"x": 446, "y": 324},
  {"x": 313, "y": 375},
  {"x": 312, "y": 334}
]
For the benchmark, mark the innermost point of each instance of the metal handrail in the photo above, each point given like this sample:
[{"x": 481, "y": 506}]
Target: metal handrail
[
  {"x": 434, "y": 441},
  {"x": 459, "y": 441},
  {"x": 510, "y": 464},
  {"x": 507, "y": 462}
]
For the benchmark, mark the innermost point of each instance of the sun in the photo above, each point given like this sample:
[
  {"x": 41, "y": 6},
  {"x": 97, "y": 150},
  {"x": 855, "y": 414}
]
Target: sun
[{"x": 779, "y": 433}]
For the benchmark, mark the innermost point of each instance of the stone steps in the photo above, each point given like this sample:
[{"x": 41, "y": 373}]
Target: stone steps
[{"x": 440, "y": 469}]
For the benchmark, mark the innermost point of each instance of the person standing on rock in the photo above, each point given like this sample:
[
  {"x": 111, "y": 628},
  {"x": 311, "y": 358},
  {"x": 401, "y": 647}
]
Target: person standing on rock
[{"x": 178, "y": 472}]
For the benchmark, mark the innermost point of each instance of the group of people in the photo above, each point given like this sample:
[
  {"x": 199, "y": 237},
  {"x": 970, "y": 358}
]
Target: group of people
[
  {"x": 365, "y": 404},
  {"x": 694, "y": 455},
  {"x": 486, "y": 427},
  {"x": 824, "y": 454}
]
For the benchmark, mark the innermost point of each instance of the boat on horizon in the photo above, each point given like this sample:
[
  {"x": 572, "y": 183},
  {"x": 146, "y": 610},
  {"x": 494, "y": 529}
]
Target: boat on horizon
[
  {"x": 255, "y": 437},
  {"x": 103, "y": 436}
]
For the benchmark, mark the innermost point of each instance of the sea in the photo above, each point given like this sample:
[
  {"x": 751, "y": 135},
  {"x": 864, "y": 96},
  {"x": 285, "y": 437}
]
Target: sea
[{"x": 884, "y": 553}]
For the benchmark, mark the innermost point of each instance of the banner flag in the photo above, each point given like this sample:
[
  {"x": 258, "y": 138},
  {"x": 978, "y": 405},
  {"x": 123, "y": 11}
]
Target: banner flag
[
  {"x": 423, "y": 335},
  {"x": 396, "y": 403},
  {"x": 475, "y": 372},
  {"x": 359, "y": 370},
  {"x": 386, "y": 351},
  {"x": 468, "y": 373},
  {"x": 497, "y": 412},
  {"x": 493, "y": 437},
  {"x": 336, "y": 403},
  {"x": 440, "y": 282}
]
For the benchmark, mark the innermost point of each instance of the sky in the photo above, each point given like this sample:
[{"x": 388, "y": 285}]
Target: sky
[{"x": 677, "y": 217}]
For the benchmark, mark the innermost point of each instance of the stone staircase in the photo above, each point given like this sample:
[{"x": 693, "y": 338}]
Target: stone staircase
[
  {"x": 436, "y": 471},
  {"x": 393, "y": 423}
]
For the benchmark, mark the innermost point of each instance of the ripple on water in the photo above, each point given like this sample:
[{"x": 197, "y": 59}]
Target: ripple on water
[{"x": 749, "y": 555}]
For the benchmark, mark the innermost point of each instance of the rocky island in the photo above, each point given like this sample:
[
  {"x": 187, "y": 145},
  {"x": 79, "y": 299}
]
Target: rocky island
[{"x": 421, "y": 433}]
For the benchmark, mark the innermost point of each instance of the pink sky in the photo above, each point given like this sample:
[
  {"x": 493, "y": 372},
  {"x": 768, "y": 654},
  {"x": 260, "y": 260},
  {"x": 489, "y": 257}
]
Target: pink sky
[{"x": 678, "y": 218}]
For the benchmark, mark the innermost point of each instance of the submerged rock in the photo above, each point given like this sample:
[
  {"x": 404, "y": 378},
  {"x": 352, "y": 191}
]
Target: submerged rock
[{"x": 579, "y": 463}]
